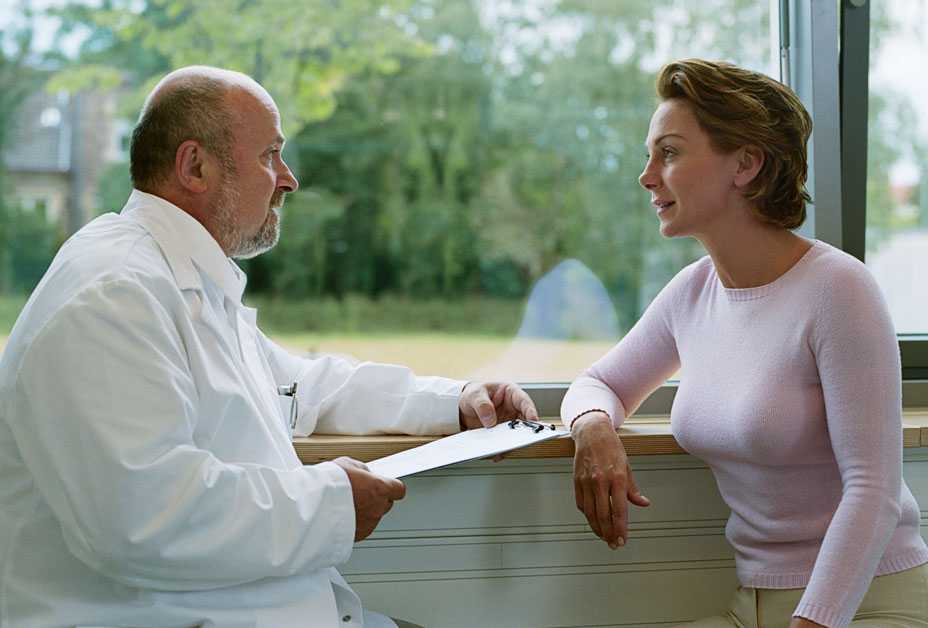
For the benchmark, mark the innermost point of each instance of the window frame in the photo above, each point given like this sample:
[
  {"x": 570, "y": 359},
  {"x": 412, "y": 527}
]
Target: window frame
[
  {"x": 833, "y": 83},
  {"x": 849, "y": 226}
]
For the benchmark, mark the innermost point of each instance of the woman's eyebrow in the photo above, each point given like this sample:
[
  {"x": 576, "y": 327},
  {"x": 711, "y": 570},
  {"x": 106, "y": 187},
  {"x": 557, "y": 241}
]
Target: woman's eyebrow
[{"x": 665, "y": 136}]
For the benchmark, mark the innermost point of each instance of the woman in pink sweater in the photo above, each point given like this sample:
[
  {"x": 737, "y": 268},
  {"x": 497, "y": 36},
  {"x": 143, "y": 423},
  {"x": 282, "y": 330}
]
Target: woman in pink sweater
[{"x": 790, "y": 385}]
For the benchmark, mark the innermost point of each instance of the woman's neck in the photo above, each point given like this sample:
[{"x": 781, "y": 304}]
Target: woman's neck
[{"x": 753, "y": 253}]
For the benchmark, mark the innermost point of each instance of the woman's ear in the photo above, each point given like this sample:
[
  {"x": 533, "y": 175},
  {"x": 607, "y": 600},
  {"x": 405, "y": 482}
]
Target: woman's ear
[{"x": 750, "y": 162}]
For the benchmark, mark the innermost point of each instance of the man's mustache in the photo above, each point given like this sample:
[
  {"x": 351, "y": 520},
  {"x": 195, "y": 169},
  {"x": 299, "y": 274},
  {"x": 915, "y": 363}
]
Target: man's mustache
[{"x": 277, "y": 200}]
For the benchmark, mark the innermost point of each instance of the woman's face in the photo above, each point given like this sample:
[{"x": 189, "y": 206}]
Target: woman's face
[{"x": 692, "y": 185}]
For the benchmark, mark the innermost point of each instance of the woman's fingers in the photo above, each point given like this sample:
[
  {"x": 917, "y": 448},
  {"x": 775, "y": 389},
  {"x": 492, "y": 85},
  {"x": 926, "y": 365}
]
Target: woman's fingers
[
  {"x": 589, "y": 509},
  {"x": 604, "y": 510},
  {"x": 634, "y": 495},
  {"x": 619, "y": 512},
  {"x": 603, "y": 482}
]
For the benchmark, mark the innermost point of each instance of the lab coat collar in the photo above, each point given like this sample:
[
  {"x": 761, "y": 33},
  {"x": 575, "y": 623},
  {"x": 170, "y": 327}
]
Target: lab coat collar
[{"x": 186, "y": 245}]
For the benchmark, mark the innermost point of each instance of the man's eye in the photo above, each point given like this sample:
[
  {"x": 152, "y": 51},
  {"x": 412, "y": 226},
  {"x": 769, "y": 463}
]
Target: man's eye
[{"x": 668, "y": 152}]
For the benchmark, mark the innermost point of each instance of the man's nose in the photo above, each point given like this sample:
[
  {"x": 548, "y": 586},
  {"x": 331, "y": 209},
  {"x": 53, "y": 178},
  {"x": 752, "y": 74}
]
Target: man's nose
[{"x": 286, "y": 181}]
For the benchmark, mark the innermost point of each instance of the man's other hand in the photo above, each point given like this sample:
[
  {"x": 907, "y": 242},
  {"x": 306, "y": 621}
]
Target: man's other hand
[
  {"x": 484, "y": 405},
  {"x": 373, "y": 495}
]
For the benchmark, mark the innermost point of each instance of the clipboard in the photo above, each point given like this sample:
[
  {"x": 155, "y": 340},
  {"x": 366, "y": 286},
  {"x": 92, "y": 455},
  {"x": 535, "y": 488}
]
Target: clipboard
[{"x": 464, "y": 446}]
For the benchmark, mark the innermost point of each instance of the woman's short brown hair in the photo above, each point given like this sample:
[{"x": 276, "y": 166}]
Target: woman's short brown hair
[{"x": 736, "y": 108}]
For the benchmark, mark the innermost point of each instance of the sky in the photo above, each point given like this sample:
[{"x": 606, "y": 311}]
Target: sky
[{"x": 11, "y": 13}]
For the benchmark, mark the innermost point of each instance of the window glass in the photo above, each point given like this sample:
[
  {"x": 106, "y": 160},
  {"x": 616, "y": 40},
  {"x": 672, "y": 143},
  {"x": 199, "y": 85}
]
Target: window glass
[
  {"x": 897, "y": 161},
  {"x": 469, "y": 202}
]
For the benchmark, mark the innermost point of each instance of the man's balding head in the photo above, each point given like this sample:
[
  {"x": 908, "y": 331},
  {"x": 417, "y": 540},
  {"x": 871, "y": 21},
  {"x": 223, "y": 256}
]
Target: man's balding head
[{"x": 191, "y": 103}]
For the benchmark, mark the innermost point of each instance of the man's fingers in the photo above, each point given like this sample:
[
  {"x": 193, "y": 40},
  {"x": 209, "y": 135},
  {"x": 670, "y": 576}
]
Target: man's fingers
[
  {"x": 517, "y": 401},
  {"x": 351, "y": 462},
  {"x": 395, "y": 489},
  {"x": 484, "y": 408},
  {"x": 499, "y": 394},
  {"x": 489, "y": 402},
  {"x": 524, "y": 404}
]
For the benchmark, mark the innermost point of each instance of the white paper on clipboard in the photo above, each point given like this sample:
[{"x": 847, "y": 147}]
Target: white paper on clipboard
[{"x": 468, "y": 445}]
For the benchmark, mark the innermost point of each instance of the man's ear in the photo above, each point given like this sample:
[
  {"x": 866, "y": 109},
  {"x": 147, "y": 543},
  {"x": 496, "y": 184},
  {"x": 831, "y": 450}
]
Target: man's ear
[
  {"x": 192, "y": 165},
  {"x": 750, "y": 162}
]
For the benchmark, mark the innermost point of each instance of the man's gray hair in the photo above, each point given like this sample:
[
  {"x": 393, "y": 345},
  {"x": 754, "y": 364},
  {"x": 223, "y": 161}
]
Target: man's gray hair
[{"x": 188, "y": 104}]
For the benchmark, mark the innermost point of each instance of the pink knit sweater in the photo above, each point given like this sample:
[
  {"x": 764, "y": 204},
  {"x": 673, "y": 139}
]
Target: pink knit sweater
[{"x": 791, "y": 393}]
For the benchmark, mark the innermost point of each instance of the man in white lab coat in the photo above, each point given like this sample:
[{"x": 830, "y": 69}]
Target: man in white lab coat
[{"x": 147, "y": 475}]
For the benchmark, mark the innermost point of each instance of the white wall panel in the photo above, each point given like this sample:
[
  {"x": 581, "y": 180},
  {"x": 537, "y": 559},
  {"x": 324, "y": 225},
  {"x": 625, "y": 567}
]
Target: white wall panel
[{"x": 503, "y": 545}]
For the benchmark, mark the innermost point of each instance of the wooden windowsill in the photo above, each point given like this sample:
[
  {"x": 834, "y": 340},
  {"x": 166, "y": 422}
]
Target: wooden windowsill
[{"x": 642, "y": 436}]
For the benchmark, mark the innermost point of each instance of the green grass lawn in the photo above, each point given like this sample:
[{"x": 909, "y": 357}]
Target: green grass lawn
[
  {"x": 489, "y": 354},
  {"x": 458, "y": 355},
  {"x": 454, "y": 355}
]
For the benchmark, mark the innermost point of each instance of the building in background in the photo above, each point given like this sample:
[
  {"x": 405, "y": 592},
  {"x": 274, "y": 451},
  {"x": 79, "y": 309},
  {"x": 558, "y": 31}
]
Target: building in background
[{"x": 58, "y": 149}]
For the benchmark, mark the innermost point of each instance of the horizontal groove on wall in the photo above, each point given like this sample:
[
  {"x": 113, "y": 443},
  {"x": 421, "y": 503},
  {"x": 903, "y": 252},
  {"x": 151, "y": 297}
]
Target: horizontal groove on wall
[{"x": 548, "y": 572}]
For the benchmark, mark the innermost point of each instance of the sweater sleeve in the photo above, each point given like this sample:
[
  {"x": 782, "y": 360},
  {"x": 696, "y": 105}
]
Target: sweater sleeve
[
  {"x": 618, "y": 382},
  {"x": 857, "y": 355}
]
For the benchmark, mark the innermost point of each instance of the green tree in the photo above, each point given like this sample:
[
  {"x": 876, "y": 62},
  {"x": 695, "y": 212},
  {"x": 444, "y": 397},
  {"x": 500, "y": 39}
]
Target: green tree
[
  {"x": 304, "y": 58},
  {"x": 577, "y": 95},
  {"x": 18, "y": 79},
  {"x": 449, "y": 146}
]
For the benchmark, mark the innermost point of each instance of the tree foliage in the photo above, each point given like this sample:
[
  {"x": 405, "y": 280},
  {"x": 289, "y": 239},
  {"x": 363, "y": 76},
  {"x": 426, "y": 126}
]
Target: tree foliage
[
  {"x": 25, "y": 245},
  {"x": 444, "y": 147}
]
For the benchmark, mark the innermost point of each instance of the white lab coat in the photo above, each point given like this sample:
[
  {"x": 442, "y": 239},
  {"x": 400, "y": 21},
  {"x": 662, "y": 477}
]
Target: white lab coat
[{"x": 147, "y": 475}]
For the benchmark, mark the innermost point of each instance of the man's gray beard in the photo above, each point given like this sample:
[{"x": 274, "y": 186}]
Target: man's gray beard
[{"x": 236, "y": 244}]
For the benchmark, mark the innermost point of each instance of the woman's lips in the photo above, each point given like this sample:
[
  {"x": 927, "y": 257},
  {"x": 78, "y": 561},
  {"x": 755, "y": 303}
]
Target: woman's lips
[{"x": 663, "y": 206}]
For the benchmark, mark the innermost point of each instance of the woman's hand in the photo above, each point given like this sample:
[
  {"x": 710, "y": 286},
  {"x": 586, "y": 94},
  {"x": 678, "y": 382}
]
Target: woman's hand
[
  {"x": 603, "y": 482},
  {"x": 802, "y": 622}
]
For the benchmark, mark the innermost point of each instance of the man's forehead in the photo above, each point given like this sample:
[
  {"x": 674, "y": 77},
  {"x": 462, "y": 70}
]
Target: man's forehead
[{"x": 253, "y": 104}]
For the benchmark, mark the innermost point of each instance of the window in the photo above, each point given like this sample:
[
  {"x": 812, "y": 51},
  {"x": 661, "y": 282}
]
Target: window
[
  {"x": 469, "y": 201},
  {"x": 897, "y": 160},
  {"x": 485, "y": 215}
]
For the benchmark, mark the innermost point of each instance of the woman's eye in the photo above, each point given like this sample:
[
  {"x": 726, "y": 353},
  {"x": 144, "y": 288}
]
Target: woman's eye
[{"x": 668, "y": 152}]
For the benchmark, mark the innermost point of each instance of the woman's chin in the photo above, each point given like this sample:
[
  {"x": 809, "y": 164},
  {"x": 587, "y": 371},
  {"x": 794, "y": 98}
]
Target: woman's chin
[{"x": 669, "y": 230}]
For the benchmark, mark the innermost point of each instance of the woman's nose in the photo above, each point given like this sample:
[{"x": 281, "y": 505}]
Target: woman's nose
[{"x": 648, "y": 179}]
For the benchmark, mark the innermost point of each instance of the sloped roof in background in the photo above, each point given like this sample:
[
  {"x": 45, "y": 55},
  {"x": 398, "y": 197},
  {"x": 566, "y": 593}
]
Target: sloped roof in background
[{"x": 38, "y": 142}]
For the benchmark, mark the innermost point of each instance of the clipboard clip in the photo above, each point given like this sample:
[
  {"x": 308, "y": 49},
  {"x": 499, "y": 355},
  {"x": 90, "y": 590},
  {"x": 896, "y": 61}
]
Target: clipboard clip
[{"x": 535, "y": 426}]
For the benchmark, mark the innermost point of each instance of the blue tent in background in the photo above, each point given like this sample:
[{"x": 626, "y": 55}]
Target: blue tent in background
[{"x": 569, "y": 303}]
